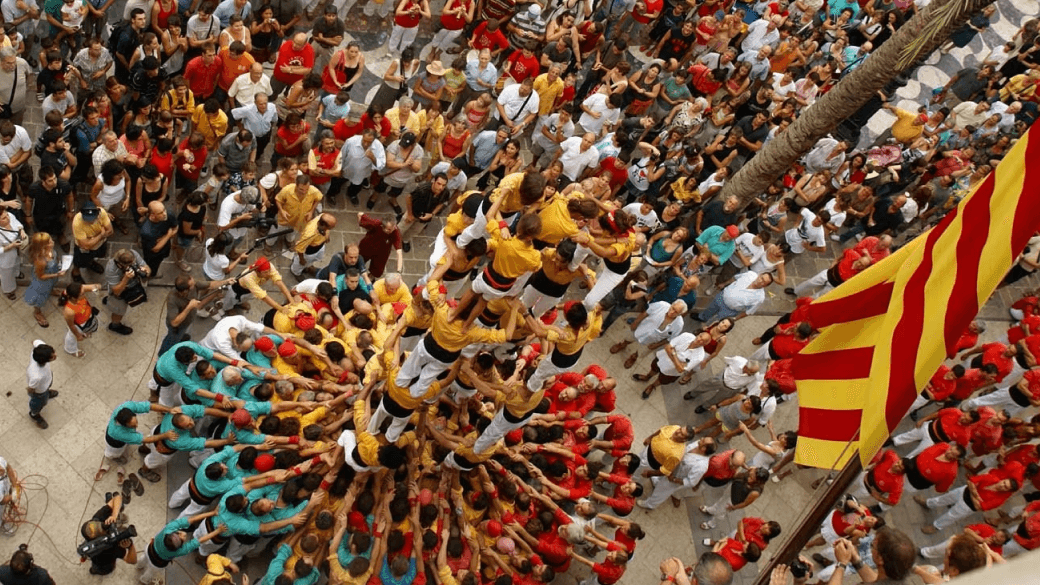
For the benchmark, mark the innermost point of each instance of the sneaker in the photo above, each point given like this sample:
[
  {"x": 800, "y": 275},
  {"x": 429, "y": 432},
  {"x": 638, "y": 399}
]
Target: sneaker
[
  {"x": 789, "y": 291},
  {"x": 39, "y": 421},
  {"x": 354, "y": 200},
  {"x": 835, "y": 237},
  {"x": 120, "y": 328}
]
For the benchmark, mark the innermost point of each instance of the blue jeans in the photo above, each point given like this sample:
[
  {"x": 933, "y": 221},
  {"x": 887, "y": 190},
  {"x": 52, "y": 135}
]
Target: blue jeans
[
  {"x": 37, "y": 401},
  {"x": 717, "y": 311},
  {"x": 174, "y": 335},
  {"x": 850, "y": 233}
]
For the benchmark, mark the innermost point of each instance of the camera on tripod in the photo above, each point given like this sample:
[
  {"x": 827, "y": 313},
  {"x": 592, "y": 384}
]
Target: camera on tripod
[{"x": 261, "y": 221}]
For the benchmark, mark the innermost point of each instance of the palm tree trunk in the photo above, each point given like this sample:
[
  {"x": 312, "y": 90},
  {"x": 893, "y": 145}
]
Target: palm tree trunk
[{"x": 916, "y": 39}]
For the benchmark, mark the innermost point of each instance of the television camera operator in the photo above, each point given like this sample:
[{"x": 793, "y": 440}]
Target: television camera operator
[
  {"x": 22, "y": 571},
  {"x": 107, "y": 541}
]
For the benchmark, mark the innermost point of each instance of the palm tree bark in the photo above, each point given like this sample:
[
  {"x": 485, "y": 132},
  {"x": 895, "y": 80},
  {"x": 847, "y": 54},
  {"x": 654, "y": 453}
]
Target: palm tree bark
[{"x": 916, "y": 39}]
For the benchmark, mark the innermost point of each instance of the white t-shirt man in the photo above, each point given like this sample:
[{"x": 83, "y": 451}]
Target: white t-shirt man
[
  {"x": 643, "y": 220},
  {"x": 230, "y": 208},
  {"x": 516, "y": 106},
  {"x": 837, "y": 217},
  {"x": 597, "y": 103},
  {"x": 690, "y": 358},
  {"x": 219, "y": 338},
  {"x": 574, "y": 160},
  {"x": 552, "y": 121},
  {"x": 456, "y": 183},
  {"x": 19, "y": 143},
  {"x": 5, "y": 481},
  {"x": 38, "y": 378},
  {"x": 805, "y": 232},
  {"x": 745, "y": 244}
]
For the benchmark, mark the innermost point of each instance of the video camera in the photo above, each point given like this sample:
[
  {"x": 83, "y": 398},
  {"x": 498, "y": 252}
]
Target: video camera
[{"x": 115, "y": 534}]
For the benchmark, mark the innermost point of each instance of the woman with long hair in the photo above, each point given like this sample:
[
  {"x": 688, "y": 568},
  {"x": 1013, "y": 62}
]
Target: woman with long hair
[
  {"x": 79, "y": 315},
  {"x": 11, "y": 237},
  {"x": 46, "y": 271}
]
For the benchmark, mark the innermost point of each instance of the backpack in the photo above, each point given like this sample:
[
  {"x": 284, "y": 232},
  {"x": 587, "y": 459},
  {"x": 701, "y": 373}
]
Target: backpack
[{"x": 119, "y": 28}]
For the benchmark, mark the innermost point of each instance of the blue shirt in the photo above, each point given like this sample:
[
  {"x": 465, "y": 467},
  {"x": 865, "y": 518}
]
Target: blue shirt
[
  {"x": 185, "y": 440},
  {"x": 388, "y": 578},
  {"x": 252, "y": 120},
  {"x": 671, "y": 291},
  {"x": 711, "y": 237},
  {"x": 174, "y": 371},
  {"x": 489, "y": 75},
  {"x": 484, "y": 148},
  {"x": 126, "y": 434},
  {"x": 226, "y": 9},
  {"x": 188, "y": 547},
  {"x": 214, "y": 487}
]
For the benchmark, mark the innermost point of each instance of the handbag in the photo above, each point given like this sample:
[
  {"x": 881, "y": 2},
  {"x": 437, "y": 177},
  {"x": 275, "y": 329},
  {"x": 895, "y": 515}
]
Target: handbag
[
  {"x": 134, "y": 293},
  {"x": 91, "y": 324},
  {"x": 5, "y": 111}
]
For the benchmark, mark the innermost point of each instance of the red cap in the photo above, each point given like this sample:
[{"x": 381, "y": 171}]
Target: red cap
[
  {"x": 264, "y": 344},
  {"x": 494, "y": 528},
  {"x": 399, "y": 308},
  {"x": 264, "y": 462},
  {"x": 732, "y": 231},
  {"x": 287, "y": 348},
  {"x": 305, "y": 322},
  {"x": 241, "y": 418},
  {"x": 262, "y": 264},
  {"x": 550, "y": 317}
]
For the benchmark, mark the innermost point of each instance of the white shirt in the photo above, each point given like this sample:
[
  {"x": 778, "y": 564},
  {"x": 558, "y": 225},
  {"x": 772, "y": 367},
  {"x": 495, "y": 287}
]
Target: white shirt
[
  {"x": 514, "y": 104},
  {"x": 805, "y": 232},
  {"x": 650, "y": 330},
  {"x": 38, "y": 377},
  {"x": 456, "y": 183},
  {"x": 219, "y": 339},
  {"x": 689, "y": 357},
  {"x": 230, "y": 209},
  {"x": 20, "y": 142},
  {"x": 735, "y": 378},
  {"x": 745, "y": 244},
  {"x": 837, "y": 217},
  {"x": 213, "y": 267},
  {"x": 5, "y": 483},
  {"x": 553, "y": 123},
  {"x": 759, "y": 35},
  {"x": 739, "y": 297},
  {"x": 649, "y": 220},
  {"x": 9, "y": 258},
  {"x": 243, "y": 89},
  {"x": 356, "y": 166},
  {"x": 597, "y": 102},
  {"x": 765, "y": 460},
  {"x": 764, "y": 265},
  {"x": 909, "y": 209},
  {"x": 692, "y": 466},
  {"x": 768, "y": 410},
  {"x": 819, "y": 158},
  {"x": 574, "y": 160}
]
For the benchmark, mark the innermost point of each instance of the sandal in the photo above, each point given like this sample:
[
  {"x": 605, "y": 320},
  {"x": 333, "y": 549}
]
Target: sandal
[
  {"x": 704, "y": 510},
  {"x": 100, "y": 473},
  {"x": 631, "y": 361},
  {"x": 136, "y": 485},
  {"x": 120, "y": 475},
  {"x": 149, "y": 475},
  {"x": 11, "y": 296},
  {"x": 640, "y": 378},
  {"x": 41, "y": 320},
  {"x": 706, "y": 526},
  {"x": 79, "y": 353}
]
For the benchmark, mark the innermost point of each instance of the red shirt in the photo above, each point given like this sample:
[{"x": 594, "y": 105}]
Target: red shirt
[
  {"x": 162, "y": 162},
  {"x": 719, "y": 466},
  {"x": 786, "y": 345},
  {"x": 842, "y": 522},
  {"x": 781, "y": 372},
  {"x": 289, "y": 56},
  {"x": 868, "y": 245},
  {"x": 966, "y": 385},
  {"x": 884, "y": 479},
  {"x": 1027, "y": 305},
  {"x": 522, "y": 67},
  {"x": 232, "y": 68},
  {"x": 484, "y": 39},
  {"x": 621, "y": 503},
  {"x": 733, "y": 552},
  {"x": 613, "y": 171},
  {"x": 941, "y": 473},
  {"x": 985, "y": 531},
  {"x": 993, "y": 353},
  {"x": 620, "y": 433},
  {"x": 410, "y": 18},
  {"x": 625, "y": 540},
  {"x": 652, "y": 7},
  {"x": 202, "y": 78},
  {"x": 590, "y": 38},
  {"x": 948, "y": 421},
  {"x": 801, "y": 310},
  {"x": 554, "y": 550},
  {"x": 985, "y": 437},
  {"x": 619, "y": 473},
  {"x": 990, "y": 499},
  {"x": 200, "y": 157},
  {"x": 450, "y": 21},
  {"x": 287, "y": 135},
  {"x": 608, "y": 572},
  {"x": 845, "y": 268},
  {"x": 966, "y": 341},
  {"x": 1017, "y": 333},
  {"x": 701, "y": 81},
  {"x": 939, "y": 387},
  {"x": 326, "y": 161},
  {"x": 1028, "y": 533},
  {"x": 753, "y": 530}
]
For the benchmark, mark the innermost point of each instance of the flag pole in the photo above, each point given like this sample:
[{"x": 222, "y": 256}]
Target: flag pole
[{"x": 820, "y": 508}]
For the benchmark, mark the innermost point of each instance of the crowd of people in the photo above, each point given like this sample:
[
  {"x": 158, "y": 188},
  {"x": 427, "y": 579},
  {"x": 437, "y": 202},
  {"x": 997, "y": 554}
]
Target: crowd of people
[{"x": 368, "y": 427}]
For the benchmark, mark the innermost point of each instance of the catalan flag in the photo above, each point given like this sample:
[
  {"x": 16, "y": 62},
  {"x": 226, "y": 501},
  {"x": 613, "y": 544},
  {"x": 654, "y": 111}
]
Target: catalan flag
[{"x": 886, "y": 331}]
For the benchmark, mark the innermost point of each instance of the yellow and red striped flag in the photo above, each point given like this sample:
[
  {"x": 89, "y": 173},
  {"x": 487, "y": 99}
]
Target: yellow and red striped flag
[{"x": 886, "y": 331}]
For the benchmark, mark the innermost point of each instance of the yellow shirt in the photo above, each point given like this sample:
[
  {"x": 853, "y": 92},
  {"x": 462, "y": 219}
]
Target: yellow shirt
[
  {"x": 456, "y": 222},
  {"x": 547, "y": 93},
  {"x": 297, "y": 209},
  {"x": 284, "y": 324},
  {"x": 212, "y": 128},
  {"x": 401, "y": 295},
  {"x": 311, "y": 237},
  {"x": 254, "y": 282},
  {"x": 169, "y": 101},
  {"x": 216, "y": 568},
  {"x": 570, "y": 341},
  {"x": 509, "y": 187},
  {"x": 666, "y": 451},
  {"x": 513, "y": 257},
  {"x": 557, "y": 222},
  {"x": 449, "y": 333},
  {"x": 338, "y": 575},
  {"x": 401, "y": 395},
  {"x": 554, "y": 272},
  {"x": 904, "y": 129},
  {"x": 393, "y": 115},
  {"x": 516, "y": 403},
  {"x": 82, "y": 229}
]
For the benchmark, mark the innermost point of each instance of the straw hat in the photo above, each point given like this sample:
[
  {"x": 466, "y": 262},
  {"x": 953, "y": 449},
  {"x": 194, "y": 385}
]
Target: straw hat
[{"x": 435, "y": 68}]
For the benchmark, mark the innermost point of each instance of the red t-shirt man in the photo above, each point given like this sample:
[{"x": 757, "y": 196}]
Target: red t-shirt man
[
  {"x": 487, "y": 39},
  {"x": 291, "y": 56},
  {"x": 522, "y": 64},
  {"x": 934, "y": 470},
  {"x": 885, "y": 480},
  {"x": 202, "y": 74}
]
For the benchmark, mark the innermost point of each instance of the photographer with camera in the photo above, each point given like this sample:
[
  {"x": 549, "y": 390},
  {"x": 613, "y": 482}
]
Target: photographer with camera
[
  {"x": 106, "y": 541},
  {"x": 238, "y": 212},
  {"x": 125, "y": 274},
  {"x": 22, "y": 571}
]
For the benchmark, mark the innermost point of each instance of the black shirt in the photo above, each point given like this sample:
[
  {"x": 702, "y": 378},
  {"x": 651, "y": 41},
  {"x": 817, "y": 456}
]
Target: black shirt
[
  {"x": 36, "y": 576},
  {"x": 678, "y": 44},
  {"x": 152, "y": 232},
  {"x": 883, "y": 220},
  {"x": 714, "y": 214},
  {"x": 751, "y": 134},
  {"x": 423, "y": 200},
  {"x": 555, "y": 56},
  {"x": 322, "y": 27},
  {"x": 105, "y": 562},
  {"x": 55, "y": 160},
  {"x": 194, "y": 219},
  {"x": 348, "y": 295},
  {"x": 49, "y": 204}
]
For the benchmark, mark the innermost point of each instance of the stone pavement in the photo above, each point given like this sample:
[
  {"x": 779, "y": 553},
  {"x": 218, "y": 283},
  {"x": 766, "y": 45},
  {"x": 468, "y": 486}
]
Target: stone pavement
[{"x": 58, "y": 464}]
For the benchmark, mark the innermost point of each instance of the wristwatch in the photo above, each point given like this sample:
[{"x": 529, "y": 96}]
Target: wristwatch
[{"x": 841, "y": 566}]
